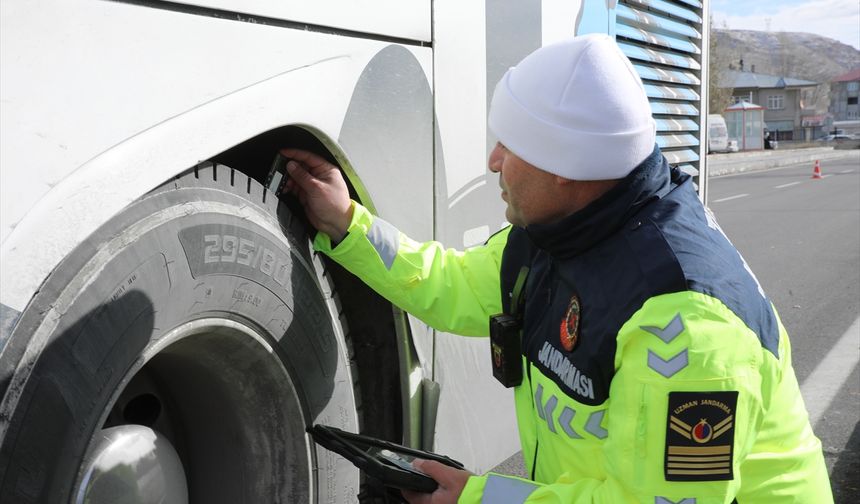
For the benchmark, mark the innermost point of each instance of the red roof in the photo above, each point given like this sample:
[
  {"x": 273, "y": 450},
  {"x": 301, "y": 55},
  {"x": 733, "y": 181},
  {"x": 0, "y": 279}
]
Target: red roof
[{"x": 850, "y": 76}]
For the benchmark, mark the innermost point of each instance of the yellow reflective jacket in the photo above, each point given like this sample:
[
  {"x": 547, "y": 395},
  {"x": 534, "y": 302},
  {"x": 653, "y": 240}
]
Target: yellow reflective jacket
[{"x": 655, "y": 369}]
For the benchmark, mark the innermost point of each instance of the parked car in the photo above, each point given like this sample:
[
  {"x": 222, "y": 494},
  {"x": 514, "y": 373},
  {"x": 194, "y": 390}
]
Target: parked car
[{"x": 836, "y": 138}]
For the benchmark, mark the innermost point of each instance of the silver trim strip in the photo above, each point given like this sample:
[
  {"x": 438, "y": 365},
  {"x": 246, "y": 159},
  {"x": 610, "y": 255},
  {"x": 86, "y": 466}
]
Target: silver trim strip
[
  {"x": 545, "y": 410},
  {"x": 502, "y": 490},
  {"x": 669, "y": 332},
  {"x": 385, "y": 238},
  {"x": 539, "y": 401},
  {"x": 564, "y": 420},
  {"x": 551, "y": 403},
  {"x": 663, "y": 500},
  {"x": 668, "y": 368},
  {"x": 593, "y": 424}
]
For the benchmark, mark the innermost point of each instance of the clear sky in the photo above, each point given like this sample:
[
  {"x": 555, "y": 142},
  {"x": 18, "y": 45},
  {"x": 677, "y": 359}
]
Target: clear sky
[{"x": 837, "y": 19}]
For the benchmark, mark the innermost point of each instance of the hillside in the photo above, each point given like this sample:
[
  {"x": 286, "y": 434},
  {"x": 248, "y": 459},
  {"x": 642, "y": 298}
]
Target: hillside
[{"x": 789, "y": 54}]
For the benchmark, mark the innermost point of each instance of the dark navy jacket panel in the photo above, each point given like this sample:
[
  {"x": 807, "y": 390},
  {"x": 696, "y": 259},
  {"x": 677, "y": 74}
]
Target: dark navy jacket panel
[
  {"x": 711, "y": 264},
  {"x": 648, "y": 236}
]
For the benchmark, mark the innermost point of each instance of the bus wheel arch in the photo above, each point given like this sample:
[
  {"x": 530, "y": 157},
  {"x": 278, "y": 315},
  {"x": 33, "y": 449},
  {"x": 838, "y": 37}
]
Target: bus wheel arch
[
  {"x": 114, "y": 306},
  {"x": 377, "y": 331}
]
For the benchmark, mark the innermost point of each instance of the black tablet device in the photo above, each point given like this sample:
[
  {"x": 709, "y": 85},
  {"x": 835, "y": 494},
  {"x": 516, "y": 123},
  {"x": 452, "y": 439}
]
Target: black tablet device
[{"x": 387, "y": 462}]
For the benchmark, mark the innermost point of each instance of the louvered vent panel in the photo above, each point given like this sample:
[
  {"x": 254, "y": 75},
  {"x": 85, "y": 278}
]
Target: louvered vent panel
[{"x": 663, "y": 39}]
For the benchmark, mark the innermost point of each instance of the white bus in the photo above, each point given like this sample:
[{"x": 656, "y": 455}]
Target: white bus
[{"x": 165, "y": 328}]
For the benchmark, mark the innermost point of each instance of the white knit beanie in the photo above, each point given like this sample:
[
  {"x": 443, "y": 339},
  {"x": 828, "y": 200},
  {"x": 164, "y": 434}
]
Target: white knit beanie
[{"x": 576, "y": 109}]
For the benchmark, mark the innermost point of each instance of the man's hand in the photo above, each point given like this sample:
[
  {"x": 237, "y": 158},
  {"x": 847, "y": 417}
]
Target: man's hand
[
  {"x": 451, "y": 482},
  {"x": 321, "y": 190}
]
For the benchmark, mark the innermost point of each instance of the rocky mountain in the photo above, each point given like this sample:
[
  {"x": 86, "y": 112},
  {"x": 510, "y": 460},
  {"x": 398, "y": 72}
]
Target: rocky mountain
[{"x": 789, "y": 54}]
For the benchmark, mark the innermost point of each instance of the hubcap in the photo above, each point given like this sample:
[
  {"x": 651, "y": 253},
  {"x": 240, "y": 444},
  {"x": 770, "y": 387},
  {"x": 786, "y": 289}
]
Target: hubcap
[
  {"x": 211, "y": 415},
  {"x": 132, "y": 464}
]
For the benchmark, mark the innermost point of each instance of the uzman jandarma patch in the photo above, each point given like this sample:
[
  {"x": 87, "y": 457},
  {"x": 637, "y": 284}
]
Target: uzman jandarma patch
[{"x": 700, "y": 433}]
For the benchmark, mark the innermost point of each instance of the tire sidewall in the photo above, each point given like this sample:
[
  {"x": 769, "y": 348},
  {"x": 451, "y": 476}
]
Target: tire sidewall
[{"x": 196, "y": 247}]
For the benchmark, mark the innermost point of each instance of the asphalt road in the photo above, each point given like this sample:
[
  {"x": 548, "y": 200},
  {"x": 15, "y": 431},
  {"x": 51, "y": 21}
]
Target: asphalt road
[{"x": 801, "y": 237}]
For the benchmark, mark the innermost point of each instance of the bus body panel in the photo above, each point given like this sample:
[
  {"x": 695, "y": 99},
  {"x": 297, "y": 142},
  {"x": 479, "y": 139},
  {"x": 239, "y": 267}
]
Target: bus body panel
[
  {"x": 104, "y": 101},
  {"x": 88, "y": 147},
  {"x": 408, "y": 19}
]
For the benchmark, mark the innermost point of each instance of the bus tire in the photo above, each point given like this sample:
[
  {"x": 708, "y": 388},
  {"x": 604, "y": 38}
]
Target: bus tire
[{"x": 200, "y": 313}]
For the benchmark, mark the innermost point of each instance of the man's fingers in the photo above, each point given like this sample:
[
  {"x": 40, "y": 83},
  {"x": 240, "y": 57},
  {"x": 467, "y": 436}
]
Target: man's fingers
[
  {"x": 311, "y": 160},
  {"x": 300, "y": 176},
  {"x": 321, "y": 190},
  {"x": 435, "y": 470}
]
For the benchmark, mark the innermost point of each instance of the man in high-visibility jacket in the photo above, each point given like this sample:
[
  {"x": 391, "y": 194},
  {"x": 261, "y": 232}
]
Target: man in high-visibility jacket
[{"x": 654, "y": 368}]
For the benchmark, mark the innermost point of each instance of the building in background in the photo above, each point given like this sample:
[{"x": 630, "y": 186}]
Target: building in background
[
  {"x": 745, "y": 125},
  {"x": 815, "y": 125},
  {"x": 844, "y": 93},
  {"x": 779, "y": 96}
]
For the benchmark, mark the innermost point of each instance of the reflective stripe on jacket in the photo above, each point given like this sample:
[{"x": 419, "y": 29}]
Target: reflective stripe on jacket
[{"x": 656, "y": 370}]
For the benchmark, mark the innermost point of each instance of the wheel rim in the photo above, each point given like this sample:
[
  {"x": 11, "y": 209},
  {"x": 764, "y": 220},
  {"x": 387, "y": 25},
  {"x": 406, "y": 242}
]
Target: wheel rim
[
  {"x": 132, "y": 464},
  {"x": 214, "y": 392}
]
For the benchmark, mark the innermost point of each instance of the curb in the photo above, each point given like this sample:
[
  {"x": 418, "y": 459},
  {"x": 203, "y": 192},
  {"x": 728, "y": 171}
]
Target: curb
[{"x": 725, "y": 164}]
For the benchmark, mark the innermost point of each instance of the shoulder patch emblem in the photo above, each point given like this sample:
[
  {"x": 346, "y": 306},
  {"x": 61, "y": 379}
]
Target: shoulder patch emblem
[
  {"x": 700, "y": 433},
  {"x": 569, "y": 330}
]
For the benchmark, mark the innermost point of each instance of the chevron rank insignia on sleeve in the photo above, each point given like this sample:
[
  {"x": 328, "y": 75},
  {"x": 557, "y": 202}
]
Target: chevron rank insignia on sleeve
[{"x": 700, "y": 433}]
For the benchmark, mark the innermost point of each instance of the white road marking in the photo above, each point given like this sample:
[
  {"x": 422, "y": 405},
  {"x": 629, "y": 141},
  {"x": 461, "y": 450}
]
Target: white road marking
[
  {"x": 828, "y": 175},
  {"x": 786, "y": 185},
  {"x": 847, "y": 171},
  {"x": 736, "y": 196},
  {"x": 826, "y": 380}
]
